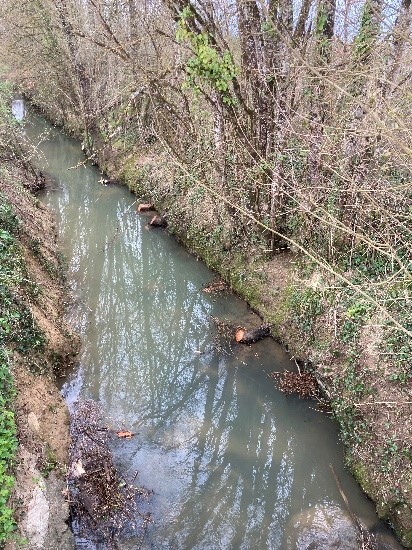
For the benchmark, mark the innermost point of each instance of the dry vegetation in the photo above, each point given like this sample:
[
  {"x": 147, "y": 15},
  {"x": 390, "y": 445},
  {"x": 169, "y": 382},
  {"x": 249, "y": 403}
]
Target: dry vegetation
[{"x": 104, "y": 505}]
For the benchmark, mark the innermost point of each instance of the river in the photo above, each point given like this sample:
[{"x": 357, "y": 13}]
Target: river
[{"x": 233, "y": 463}]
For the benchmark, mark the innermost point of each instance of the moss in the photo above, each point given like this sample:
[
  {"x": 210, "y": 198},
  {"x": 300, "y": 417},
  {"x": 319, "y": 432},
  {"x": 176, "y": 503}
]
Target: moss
[
  {"x": 279, "y": 317},
  {"x": 393, "y": 510},
  {"x": 50, "y": 462},
  {"x": 363, "y": 477},
  {"x": 406, "y": 538},
  {"x": 244, "y": 281},
  {"x": 134, "y": 176}
]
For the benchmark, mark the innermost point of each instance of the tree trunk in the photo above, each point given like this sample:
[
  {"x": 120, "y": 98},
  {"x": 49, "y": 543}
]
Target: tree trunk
[
  {"x": 401, "y": 37},
  {"x": 83, "y": 81}
]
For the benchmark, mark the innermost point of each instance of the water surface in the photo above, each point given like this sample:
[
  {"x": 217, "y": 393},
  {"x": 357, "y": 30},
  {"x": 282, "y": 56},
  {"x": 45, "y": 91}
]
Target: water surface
[{"x": 234, "y": 464}]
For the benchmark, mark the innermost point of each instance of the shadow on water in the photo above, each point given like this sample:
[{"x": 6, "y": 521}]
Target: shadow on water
[{"x": 233, "y": 463}]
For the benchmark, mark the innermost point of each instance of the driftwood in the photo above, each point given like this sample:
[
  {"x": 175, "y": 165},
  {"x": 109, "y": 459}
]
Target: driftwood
[
  {"x": 244, "y": 336},
  {"x": 106, "y": 181},
  {"x": 145, "y": 207},
  {"x": 366, "y": 539},
  {"x": 228, "y": 330},
  {"x": 158, "y": 221}
]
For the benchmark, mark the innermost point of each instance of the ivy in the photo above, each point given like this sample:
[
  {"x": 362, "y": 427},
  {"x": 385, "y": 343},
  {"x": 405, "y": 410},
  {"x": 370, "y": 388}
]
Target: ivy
[
  {"x": 369, "y": 28},
  {"x": 206, "y": 64},
  {"x": 8, "y": 446},
  {"x": 18, "y": 331}
]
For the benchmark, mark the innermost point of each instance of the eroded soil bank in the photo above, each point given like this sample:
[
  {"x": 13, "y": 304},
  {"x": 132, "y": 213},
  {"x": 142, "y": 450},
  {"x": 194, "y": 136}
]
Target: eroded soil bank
[{"x": 41, "y": 415}]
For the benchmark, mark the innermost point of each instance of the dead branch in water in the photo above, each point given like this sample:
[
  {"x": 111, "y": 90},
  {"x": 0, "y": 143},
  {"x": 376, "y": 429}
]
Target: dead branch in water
[
  {"x": 365, "y": 539},
  {"x": 217, "y": 285},
  {"x": 104, "y": 505}
]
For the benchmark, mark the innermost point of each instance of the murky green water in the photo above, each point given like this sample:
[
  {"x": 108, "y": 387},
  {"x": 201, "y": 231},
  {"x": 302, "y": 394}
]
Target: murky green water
[{"x": 233, "y": 463}]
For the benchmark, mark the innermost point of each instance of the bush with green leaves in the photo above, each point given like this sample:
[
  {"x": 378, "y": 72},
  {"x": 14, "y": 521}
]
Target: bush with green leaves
[{"x": 207, "y": 64}]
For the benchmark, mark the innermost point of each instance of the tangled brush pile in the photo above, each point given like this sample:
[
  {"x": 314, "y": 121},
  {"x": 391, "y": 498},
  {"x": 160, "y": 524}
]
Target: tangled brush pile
[{"x": 104, "y": 505}]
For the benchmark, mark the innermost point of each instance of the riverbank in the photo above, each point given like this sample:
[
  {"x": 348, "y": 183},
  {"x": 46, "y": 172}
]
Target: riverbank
[
  {"x": 341, "y": 337},
  {"x": 35, "y": 344}
]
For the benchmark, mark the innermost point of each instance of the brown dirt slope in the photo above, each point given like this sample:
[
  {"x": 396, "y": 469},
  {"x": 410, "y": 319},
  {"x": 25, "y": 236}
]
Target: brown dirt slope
[{"x": 40, "y": 412}]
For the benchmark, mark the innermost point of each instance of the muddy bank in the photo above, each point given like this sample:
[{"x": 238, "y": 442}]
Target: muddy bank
[
  {"x": 41, "y": 415},
  {"x": 322, "y": 324}
]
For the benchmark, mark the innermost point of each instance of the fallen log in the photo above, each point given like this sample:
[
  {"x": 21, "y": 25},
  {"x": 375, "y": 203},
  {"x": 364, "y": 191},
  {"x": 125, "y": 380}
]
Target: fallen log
[
  {"x": 145, "y": 207},
  {"x": 158, "y": 221},
  {"x": 251, "y": 336}
]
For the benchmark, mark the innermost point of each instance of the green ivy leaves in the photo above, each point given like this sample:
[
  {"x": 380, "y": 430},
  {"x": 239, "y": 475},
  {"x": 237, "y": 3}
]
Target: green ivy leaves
[
  {"x": 206, "y": 64},
  {"x": 19, "y": 331},
  {"x": 8, "y": 446}
]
